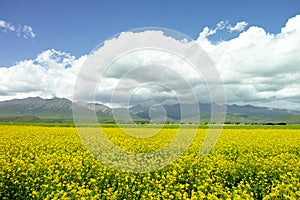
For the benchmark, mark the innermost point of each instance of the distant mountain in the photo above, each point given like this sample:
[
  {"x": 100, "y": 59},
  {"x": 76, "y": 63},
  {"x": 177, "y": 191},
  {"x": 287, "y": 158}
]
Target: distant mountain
[
  {"x": 36, "y": 106},
  {"x": 249, "y": 111},
  {"x": 290, "y": 119},
  {"x": 36, "y": 109},
  {"x": 234, "y": 113},
  {"x": 174, "y": 111},
  {"x": 21, "y": 119},
  {"x": 49, "y": 110}
]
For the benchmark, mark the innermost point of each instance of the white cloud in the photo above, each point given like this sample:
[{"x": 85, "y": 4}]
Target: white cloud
[
  {"x": 24, "y": 31},
  {"x": 27, "y": 32},
  {"x": 239, "y": 26},
  {"x": 257, "y": 67},
  {"x": 48, "y": 75},
  {"x": 134, "y": 69},
  {"x": 6, "y": 26},
  {"x": 208, "y": 32},
  {"x": 222, "y": 25}
]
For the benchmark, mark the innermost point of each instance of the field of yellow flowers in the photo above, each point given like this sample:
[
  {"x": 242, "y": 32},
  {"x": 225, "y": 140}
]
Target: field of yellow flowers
[{"x": 52, "y": 163}]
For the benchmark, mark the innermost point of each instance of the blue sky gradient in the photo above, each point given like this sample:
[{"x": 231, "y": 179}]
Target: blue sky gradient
[
  {"x": 78, "y": 26},
  {"x": 254, "y": 44}
]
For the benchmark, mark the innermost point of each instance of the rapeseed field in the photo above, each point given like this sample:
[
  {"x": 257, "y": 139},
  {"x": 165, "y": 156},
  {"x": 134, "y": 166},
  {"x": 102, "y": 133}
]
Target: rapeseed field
[{"x": 52, "y": 163}]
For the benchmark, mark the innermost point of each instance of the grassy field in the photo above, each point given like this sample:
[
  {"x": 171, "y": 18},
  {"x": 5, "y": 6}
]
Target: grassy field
[
  {"x": 168, "y": 126},
  {"x": 49, "y": 161}
]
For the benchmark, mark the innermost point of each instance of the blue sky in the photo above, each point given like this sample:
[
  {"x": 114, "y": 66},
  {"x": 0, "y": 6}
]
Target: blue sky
[
  {"x": 253, "y": 44},
  {"x": 78, "y": 26}
]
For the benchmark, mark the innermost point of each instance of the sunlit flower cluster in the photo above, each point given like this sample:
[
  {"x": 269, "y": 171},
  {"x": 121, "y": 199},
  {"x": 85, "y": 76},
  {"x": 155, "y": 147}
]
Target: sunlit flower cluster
[{"x": 52, "y": 163}]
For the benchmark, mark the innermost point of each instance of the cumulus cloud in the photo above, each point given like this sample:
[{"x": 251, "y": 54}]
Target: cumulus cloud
[
  {"x": 256, "y": 67},
  {"x": 47, "y": 75},
  {"x": 259, "y": 67},
  {"x": 222, "y": 25},
  {"x": 159, "y": 74},
  {"x": 24, "y": 31}
]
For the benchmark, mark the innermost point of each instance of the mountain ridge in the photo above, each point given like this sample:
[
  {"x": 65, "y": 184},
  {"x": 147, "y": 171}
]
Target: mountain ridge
[{"x": 60, "y": 109}]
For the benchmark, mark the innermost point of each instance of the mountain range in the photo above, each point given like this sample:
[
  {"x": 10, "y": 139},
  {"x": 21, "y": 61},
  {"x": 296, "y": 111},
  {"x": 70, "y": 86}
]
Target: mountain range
[{"x": 36, "y": 109}]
